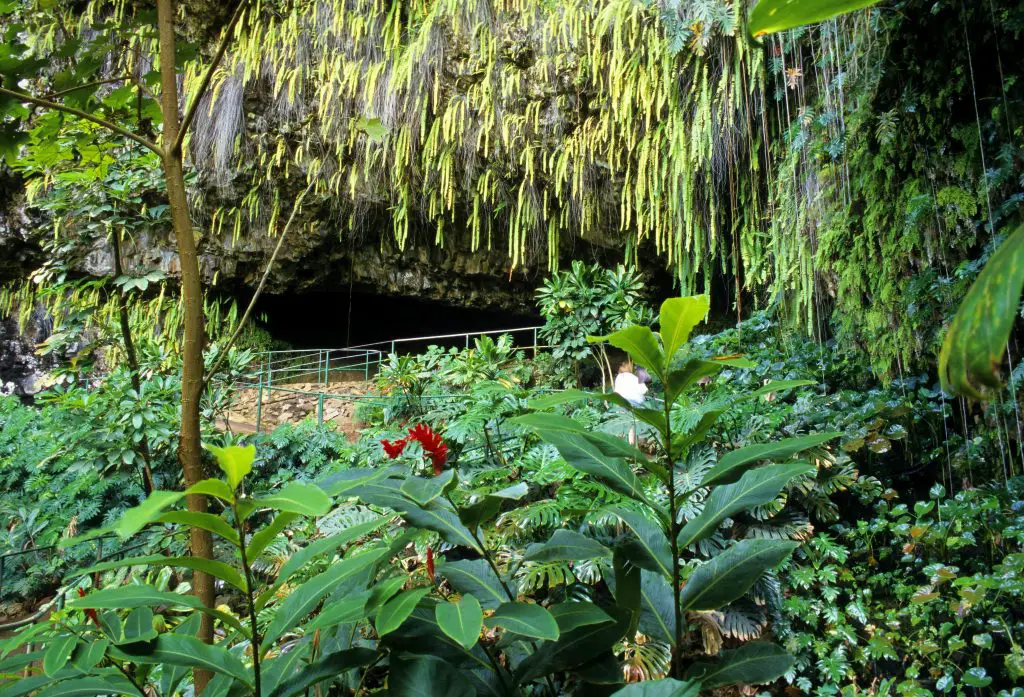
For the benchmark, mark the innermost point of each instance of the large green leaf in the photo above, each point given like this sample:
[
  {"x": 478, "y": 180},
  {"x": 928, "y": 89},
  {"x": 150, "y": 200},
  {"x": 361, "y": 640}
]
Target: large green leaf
[
  {"x": 138, "y": 626},
  {"x": 444, "y": 522},
  {"x": 326, "y": 544},
  {"x": 572, "y": 649},
  {"x": 666, "y": 687},
  {"x": 566, "y": 545},
  {"x": 134, "y": 519},
  {"x": 461, "y": 620},
  {"x": 973, "y": 348},
  {"x": 212, "y": 487},
  {"x": 426, "y": 676},
  {"x": 678, "y": 318},
  {"x": 573, "y": 615},
  {"x": 651, "y": 538},
  {"x": 732, "y": 573},
  {"x": 235, "y": 461},
  {"x": 584, "y": 454},
  {"x": 142, "y": 595},
  {"x": 58, "y": 653},
  {"x": 171, "y": 676},
  {"x": 474, "y": 576},
  {"x": 657, "y": 614},
  {"x": 641, "y": 344},
  {"x": 265, "y": 535},
  {"x": 351, "y": 608},
  {"x": 398, "y": 609},
  {"x": 756, "y": 487},
  {"x": 770, "y": 16},
  {"x": 298, "y": 497},
  {"x": 204, "y": 521},
  {"x": 735, "y": 463},
  {"x": 475, "y": 514},
  {"x": 525, "y": 619},
  {"x": 87, "y": 687},
  {"x": 423, "y": 490},
  {"x": 304, "y": 599},
  {"x": 181, "y": 650},
  {"x": 330, "y": 666},
  {"x": 752, "y": 664},
  {"x": 217, "y": 569}
]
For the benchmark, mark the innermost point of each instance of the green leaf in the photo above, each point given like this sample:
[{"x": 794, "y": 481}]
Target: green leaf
[
  {"x": 182, "y": 650},
  {"x": 755, "y": 663},
  {"x": 678, "y": 318},
  {"x": 298, "y": 497},
  {"x": 213, "y": 487},
  {"x": 263, "y": 537},
  {"x": 138, "y": 626},
  {"x": 351, "y": 608},
  {"x": 89, "y": 687},
  {"x": 88, "y": 656},
  {"x": 204, "y": 521},
  {"x": 642, "y": 346},
  {"x": 58, "y": 653},
  {"x": 572, "y": 649},
  {"x": 574, "y": 615},
  {"x": 322, "y": 546},
  {"x": 526, "y": 619},
  {"x": 474, "y": 576},
  {"x": 566, "y": 545},
  {"x": 235, "y": 461},
  {"x": 461, "y": 620},
  {"x": 374, "y": 129},
  {"x": 426, "y": 676},
  {"x": 771, "y": 16},
  {"x": 627, "y": 589},
  {"x": 143, "y": 595},
  {"x": 330, "y": 666},
  {"x": 443, "y": 522},
  {"x": 304, "y": 599},
  {"x": 172, "y": 675},
  {"x": 397, "y": 610},
  {"x": 973, "y": 348},
  {"x": 755, "y": 488},
  {"x": 651, "y": 538},
  {"x": 734, "y": 463},
  {"x": 217, "y": 569},
  {"x": 657, "y": 615},
  {"x": 134, "y": 519},
  {"x": 666, "y": 687},
  {"x": 586, "y": 455},
  {"x": 727, "y": 576},
  {"x": 423, "y": 490}
]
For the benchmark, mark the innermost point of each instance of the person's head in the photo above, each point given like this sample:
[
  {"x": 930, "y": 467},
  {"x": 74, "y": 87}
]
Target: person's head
[{"x": 626, "y": 367}]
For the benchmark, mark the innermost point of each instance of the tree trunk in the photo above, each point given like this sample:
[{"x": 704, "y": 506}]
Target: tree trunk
[{"x": 189, "y": 444}]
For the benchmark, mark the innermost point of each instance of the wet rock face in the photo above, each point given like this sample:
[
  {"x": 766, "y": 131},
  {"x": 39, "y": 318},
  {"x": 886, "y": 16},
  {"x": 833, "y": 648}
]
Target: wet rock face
[{"x": 21, "y": 370}]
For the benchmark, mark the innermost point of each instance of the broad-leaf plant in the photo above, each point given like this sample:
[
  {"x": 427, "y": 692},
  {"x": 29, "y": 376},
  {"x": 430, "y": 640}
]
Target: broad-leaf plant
[{"x": 355, "y": 607}]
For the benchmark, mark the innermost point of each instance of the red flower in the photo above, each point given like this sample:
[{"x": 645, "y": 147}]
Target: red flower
[
  {"x": 394, "y": 449},
  {"x": 89, "y": 612},
  {"x": 432, "y": 445},
  {"x": 430, "y": 563}
]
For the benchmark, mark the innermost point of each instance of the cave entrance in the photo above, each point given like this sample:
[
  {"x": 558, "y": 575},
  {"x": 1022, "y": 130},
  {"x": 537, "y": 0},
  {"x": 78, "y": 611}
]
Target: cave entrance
[{"x": 329, "y": 320}]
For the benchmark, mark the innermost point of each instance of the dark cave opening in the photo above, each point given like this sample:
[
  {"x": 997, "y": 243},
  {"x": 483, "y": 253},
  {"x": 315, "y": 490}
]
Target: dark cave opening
[{"x": 330, "y": 320}]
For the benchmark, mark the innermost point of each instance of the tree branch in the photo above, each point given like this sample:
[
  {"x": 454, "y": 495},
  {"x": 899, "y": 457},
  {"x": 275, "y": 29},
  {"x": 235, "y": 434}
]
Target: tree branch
[
  {"x": 38, "y": 101},
  {"x": 190, "y": 112},
  {"x": 94, "y": 83},
  {"x": 259, "y": 289}
]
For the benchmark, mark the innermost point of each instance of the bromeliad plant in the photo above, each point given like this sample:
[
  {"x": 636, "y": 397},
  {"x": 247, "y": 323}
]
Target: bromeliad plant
[{"x": 680, "y": 502}]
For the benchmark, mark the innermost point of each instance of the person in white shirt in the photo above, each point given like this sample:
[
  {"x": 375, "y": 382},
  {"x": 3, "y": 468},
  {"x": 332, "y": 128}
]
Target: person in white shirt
[{"x": 632, "y": 389}]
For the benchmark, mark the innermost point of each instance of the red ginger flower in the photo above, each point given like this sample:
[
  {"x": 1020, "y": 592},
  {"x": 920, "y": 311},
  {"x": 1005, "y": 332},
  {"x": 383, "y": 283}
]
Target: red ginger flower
[
  {"x": 89, "y": 612},
  {"x": 432, "y": 445},
  {"x": 430, "y": 563},
  {"x": 394, "y": 449}
]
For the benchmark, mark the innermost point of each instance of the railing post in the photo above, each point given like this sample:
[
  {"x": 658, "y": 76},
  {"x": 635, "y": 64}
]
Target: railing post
[
  {"x": 467, "y": 340},
  {"x": 366, "y": 366},
  {"x": 259, "y": 405},
  {"x": 392, "y": 346},
  {"x": 535, "y": 342},
  {"x": 320, "y": 410},
  {"x": 327, "y": 368}
]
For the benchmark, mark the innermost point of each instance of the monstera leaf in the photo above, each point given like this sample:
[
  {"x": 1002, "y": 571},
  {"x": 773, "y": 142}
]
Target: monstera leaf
[
  {"x": 976, "y": 341},
  {"x": 770, "y": 16}
]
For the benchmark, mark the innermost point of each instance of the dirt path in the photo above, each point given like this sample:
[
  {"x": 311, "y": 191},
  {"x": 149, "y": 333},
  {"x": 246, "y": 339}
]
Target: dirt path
[{"x": 297, "y": 402}]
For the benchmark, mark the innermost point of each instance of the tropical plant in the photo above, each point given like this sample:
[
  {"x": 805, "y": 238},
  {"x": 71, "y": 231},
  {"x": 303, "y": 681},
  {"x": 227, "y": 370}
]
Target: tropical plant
[
  {"x": 589, "y": 300},
  {"x": 667, "y": 522}
]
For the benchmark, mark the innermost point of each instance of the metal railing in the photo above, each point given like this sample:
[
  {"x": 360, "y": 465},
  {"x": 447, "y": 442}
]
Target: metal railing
[{"x": 277, "y": 370}]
